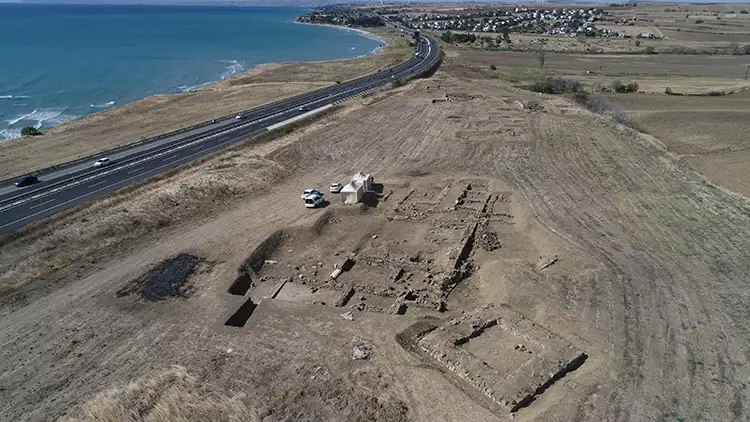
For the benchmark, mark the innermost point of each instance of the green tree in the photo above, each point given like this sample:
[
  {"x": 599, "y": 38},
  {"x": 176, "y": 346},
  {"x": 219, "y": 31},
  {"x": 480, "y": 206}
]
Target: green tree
[
  {"x": 506, "y": 35},
  {"x": 30, "y": 131},
  {"x": 637, "y": 43},
  {"x": 746, "y": 48},
  {"x": 447, "y": 36},
  {"x": 540, "y": 57}
]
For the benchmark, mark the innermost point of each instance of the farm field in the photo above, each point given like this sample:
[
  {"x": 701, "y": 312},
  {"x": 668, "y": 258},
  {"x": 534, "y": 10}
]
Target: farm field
[
  {"x": 706, "y": 132},
  {"x": 585, "y": 235},
  {"x": 682, "y": 65}
]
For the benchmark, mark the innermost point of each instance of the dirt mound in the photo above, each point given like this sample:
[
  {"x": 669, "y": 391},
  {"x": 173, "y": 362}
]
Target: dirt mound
[
  {"x": 489, "y": 241},
  {"x": 168, "y": 279}
]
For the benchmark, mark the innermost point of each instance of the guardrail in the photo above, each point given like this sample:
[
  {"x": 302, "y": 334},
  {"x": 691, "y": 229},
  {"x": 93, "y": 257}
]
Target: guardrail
[
  {"x": 309, "y": 97},
  {"x": 115, "y": 150}
]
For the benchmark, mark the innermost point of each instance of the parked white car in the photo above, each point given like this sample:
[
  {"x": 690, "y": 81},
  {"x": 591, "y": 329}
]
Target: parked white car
[
  {"x": 312, "y": 201},
  {"x": 308, "y": 192},
  {"x": 336, "y": 187},
  {"x": 102, "y": 162}
]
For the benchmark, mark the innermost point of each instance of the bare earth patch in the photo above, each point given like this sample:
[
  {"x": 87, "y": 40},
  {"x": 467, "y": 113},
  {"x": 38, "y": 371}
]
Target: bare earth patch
[
  {"x": 707, "y": 132},
  {"x": 599, "y": 235}
]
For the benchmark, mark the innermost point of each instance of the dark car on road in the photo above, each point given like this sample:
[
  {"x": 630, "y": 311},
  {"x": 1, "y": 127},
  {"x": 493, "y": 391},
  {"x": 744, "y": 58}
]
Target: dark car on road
[{"x": 26, "y": 181}]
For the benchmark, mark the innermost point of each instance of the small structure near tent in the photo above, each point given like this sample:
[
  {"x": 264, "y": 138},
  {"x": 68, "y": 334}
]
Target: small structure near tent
[{"x": 353, "y": 191}]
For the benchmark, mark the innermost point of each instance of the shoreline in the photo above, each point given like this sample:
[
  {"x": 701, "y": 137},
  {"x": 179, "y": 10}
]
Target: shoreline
[
  {"x": 214, "y": 83},
  {"x": 136, "y": 121},
  {"x": 362, "y": 32},
  {"x": 269, "y": 65}
]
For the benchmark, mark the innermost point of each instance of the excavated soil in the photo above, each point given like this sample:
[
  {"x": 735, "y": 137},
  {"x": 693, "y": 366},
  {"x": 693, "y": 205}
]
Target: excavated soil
[
  {"x": 170, "y": 278},
  {"x": 608, "y": 241}
]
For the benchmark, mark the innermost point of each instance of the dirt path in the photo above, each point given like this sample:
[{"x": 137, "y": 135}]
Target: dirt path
[{"x": 651, "y": 280}]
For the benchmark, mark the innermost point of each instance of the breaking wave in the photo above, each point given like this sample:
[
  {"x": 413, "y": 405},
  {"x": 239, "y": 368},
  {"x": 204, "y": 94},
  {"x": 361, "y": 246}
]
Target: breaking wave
[
  {"x": 189, "y": 88},
  {"x": 42, "y": 117},
  {"x": 105, "y": 105},
  {"x": 234, "y": 67},
  {"x": 8, "y": 134},
  {"x": 13, "y": 97}
]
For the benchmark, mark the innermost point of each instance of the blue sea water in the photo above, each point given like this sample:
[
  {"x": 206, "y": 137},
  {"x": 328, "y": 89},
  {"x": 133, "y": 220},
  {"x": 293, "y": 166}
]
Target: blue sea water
[{"x": 61, "y": 62}]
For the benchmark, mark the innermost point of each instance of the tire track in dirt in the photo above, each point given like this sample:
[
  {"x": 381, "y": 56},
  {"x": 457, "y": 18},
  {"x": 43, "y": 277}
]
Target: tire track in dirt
[{"x": 653, "y": 329}]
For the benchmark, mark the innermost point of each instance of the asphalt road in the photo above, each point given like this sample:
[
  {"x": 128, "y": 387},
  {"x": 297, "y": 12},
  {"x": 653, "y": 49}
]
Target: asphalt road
[{"x": 70, "y": 185}]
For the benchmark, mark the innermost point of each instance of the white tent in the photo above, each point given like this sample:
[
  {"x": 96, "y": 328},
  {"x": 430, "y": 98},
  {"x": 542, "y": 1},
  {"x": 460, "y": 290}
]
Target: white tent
[
  {"x": 355, "y": 190},
  {"x": 363, "y": 179},
  {"x": 352, "y": 192}
]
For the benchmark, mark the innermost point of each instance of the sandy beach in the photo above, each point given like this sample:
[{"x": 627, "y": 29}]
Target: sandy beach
[{"x": 364, "y": 33}]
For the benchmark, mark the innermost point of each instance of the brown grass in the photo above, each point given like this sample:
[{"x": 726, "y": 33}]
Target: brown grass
[
  {"x": 187, "y": 192},
  {"x": 650, "y": 281},
  {"x": 624, "y": 64},
  {"x": 167, "y": 396},
  {"x": 707, "y": 132}
]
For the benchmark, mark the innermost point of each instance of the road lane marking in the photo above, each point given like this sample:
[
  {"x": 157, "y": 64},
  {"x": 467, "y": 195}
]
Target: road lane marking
[
  {"x": 373, "y": 85},
  {"x": 170, "y": 159},
  {"x": 202, "y": 149},
  {"x": 257, "y": 132},
  {"x": 96, "y": 184},
  {"x": 43, "y": 203},
  {"x": 136, "y": 170}
]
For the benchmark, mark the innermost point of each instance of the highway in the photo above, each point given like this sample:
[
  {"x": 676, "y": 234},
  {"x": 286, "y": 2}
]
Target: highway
[{"x": 72, "y": 184}]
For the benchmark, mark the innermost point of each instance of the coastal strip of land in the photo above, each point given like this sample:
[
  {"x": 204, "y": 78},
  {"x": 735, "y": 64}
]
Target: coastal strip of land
[{"x": 160, "y": 114}]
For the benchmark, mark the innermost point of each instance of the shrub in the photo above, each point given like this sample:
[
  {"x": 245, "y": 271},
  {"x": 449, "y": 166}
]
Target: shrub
[
  {"x": 397, "y": 83},
  {"x": 598, "y": 104},
  {"x": 668, "y": 91},
  {"x": 746, "y": 48},
  {"x": 699, "y": 21},
  {"x": 30, "y": 131},
  {"x": 637, "y": 43},
  {"x": 493, "y": 67},
  {"x": 556, "y": 85},
  {"x": 619, "y": 87},
  {"x": 743, "y": 12},
  {"x": 650, "y": 50}
]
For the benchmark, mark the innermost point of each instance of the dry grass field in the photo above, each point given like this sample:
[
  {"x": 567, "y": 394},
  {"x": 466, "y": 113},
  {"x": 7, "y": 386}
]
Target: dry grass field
[
  {"x": 673, "y": 65},
  {"x": 706, "y": 132},
  {"x": 164, "y": 113},
  {"x": 606, "y": 239},
  {"x": 691, "y": 57}
]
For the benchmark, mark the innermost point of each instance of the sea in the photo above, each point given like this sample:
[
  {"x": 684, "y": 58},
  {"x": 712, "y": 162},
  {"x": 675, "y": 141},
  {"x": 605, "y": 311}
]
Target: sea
[{"x": 61, "y": 62}]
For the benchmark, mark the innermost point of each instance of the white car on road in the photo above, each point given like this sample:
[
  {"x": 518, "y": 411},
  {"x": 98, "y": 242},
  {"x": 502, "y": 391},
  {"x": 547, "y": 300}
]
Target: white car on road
[
  {"x": 312, "y": 201},
  {"x": 308, "y": 192},
  {"x": 239, "y": 116},
  {"x": 102, "y": 162},
  {"x": 336, "y": 187}
]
